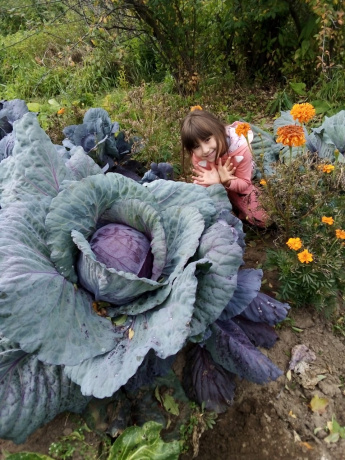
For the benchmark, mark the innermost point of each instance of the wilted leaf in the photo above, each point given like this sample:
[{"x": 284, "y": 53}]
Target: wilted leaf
[
  {"x": 318, "y": 404},
  {"x": 130, "y": 334},
  {"x": 333, "y": 437},
  {"x": 288, "y": 375},
  {"x": 292, "y": 414}
]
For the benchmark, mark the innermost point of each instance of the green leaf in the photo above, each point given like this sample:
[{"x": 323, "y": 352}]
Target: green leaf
[
  {"x": 170, "y": 405},
  {"x": 54, "y": 103},
  {"x": 34, "y": 106},
  {"x": 144, "y": 443},
  {"x": 299, "y": 88}
]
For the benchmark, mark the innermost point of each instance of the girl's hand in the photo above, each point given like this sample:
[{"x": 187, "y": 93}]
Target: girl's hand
[
  {"x": 202, "y": 176},
  {"x": 226, "y": 172}
]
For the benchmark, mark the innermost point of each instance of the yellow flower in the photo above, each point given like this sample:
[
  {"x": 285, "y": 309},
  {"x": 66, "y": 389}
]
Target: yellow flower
[
  {"x": 291, "y": 135},
  {"x": 294, "y": 243},
  {"x": 305, "y": 257},
  {"x": 340, "y": 234},
  {"x": 263, "y": 182},
  {"x": 195, "y": 107},
  {"x": 327, "y": 168},
  {"x": 302, "y": 112},
  {"x": 61, "y": 111},
  {"x": 327, "y": 220},
  {"x": 242, "y": 128}
]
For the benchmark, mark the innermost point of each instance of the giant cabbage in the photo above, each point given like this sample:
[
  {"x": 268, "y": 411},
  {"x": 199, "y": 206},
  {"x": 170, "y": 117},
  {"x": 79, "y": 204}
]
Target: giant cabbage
[{"x": 94, "y": 327}]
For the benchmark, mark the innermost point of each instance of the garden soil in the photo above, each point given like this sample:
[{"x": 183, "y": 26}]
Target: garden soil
[{"x": 277, "y": 421}]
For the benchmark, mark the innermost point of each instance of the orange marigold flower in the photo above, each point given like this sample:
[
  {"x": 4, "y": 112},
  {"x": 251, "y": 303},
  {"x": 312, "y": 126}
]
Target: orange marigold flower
[
  {"x": 305, "y": 257},
  {"x": 263, "y": 182},
  {"x": 302, "y": 112},
  {"x": 291, "y": 135},
  {"x": 242, "y": 128},
  {"x": 327, "y": 220},
  {"x": 61, "y": 111},
  {"x": 195, "y": 107},
  {"x": 327, "y": 169},
  {"x": 294, "y": 243},
  {"x": 340, "y": 234}
]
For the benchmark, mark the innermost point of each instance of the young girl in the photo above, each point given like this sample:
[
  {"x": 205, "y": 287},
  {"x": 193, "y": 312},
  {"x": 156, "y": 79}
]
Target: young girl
[{"x": 220, "y": 156}]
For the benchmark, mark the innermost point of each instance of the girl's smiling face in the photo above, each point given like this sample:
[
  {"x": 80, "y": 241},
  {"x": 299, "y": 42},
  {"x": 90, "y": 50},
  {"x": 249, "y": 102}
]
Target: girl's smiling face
[{"x": 206, "y": 149}]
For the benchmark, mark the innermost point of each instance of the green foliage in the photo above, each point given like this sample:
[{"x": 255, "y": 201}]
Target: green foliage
[
  {"x": 28, "y": 456},
  {"x": 139, "y": 443},
  {"x": 150, "y": 113},
  {"x": 198, "y": 422},
  {"x": 78, "y": 442}
]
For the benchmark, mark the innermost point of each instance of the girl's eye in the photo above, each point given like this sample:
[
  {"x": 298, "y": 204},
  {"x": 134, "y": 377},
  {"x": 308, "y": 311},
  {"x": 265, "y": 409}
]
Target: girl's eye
[{"x": 207, "y": 140}]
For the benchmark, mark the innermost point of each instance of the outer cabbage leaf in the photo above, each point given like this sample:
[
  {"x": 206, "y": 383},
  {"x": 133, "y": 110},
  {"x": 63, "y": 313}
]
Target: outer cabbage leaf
[
  {"x": 81, "y": 164},
  {"x": 284, "y": 119},
  {"x": 315, "y": 143},
  {"x": 248, "y": 286},
  {"x": 144, "y": 443},
  {"x": 265, "y": 309},
  {"x": 333, "y": 129},
  {"x": 169, "y": 193},
  {"x": 207, "y": 382},
  {"x": 219, "y": 246},
  {"x": 32, "y": 393},
  {"x": 35, "y": 168},
  {"x": 39, "y": 308},
  {"x": 260, "y": 334},
  {"x": 13, "y": 110},
  {"x": 164, "y": 330},
  {"x": 231, "y": 348},
  {"x": 223, "y": 208},
  {"x": 5, "y": 127},
  {"x": 265, "y": 151},
  {"x": 6, "y": 146}
]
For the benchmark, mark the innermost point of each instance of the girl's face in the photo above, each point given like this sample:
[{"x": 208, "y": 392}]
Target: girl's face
[{"x": 206, "y": 149}]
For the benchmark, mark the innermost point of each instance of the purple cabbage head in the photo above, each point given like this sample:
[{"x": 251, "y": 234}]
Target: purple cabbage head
[{"x": 123, "y": 248}]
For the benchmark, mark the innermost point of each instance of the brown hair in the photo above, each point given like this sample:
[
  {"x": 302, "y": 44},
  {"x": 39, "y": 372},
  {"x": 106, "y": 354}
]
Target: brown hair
[{"x": 199, "y": 125}]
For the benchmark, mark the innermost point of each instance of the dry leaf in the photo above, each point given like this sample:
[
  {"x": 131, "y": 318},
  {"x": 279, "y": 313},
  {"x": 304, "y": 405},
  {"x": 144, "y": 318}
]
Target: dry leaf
[
  {"x": 307, "y": 445},
  {"x": 318, "y": 404},
  {"x": 296, "y": 437},
  {"x": 288, "y": 375},
  {"x": 130, "y": 334},
  {"x": 292, "y": 414}
]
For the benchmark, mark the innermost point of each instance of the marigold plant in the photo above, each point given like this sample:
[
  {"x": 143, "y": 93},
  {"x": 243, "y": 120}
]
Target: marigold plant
[
  {"x": 327, "y": 220},
  {"x": 242, "y": 129},
  {"x": 302, "y": 112},
  {"x": 305, "y": 257},
  {"x": 263, "y": 182},
  {"x": 291, "y": 135},
  {"x": 301, "y": 199},
  {"x": 294, "y": 243}
]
